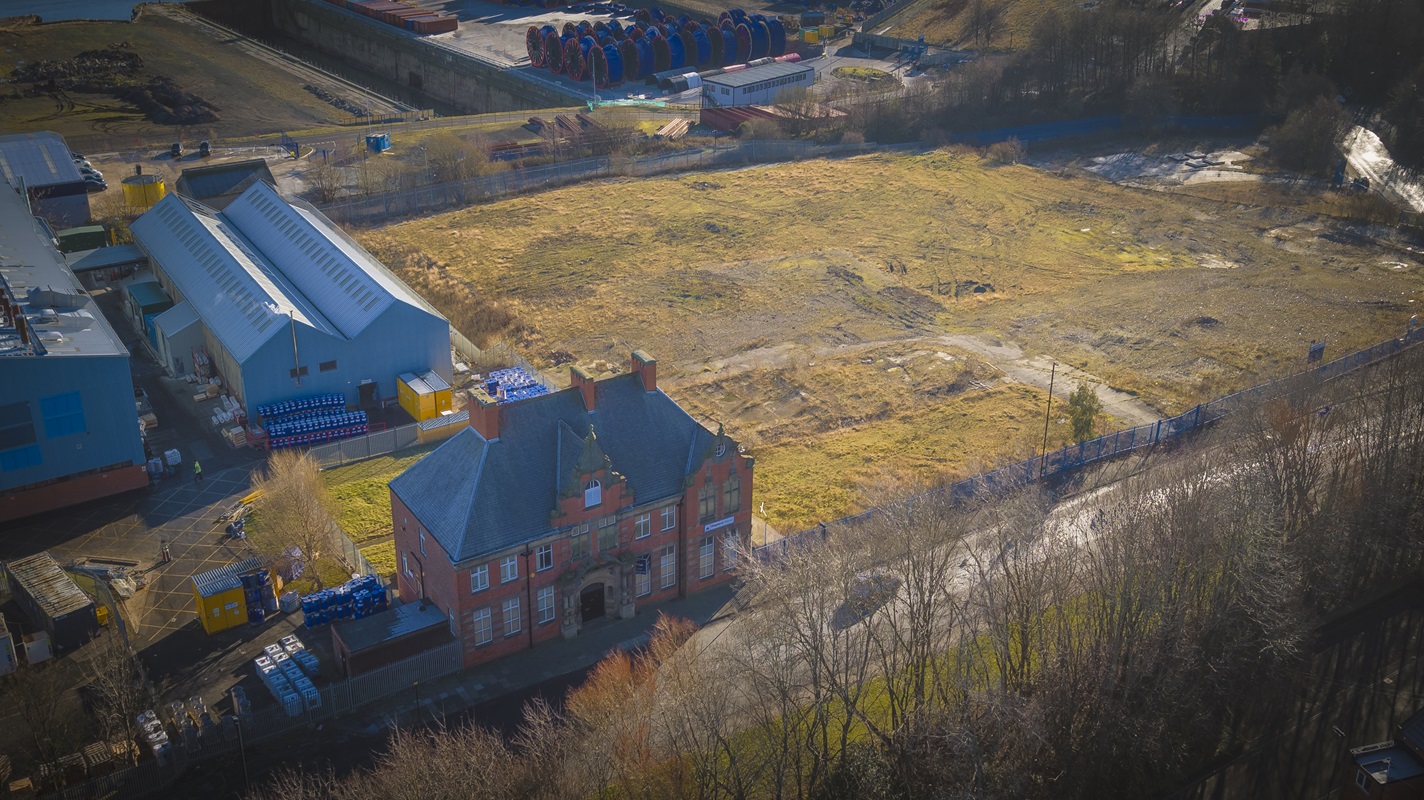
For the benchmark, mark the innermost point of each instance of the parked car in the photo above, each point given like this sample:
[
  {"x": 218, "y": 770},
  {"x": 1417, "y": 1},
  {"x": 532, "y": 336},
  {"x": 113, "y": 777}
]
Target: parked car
[
  {"x": 92, "y": 184},
  {"x": 176, "y": 150},
  {"x": 75, "y": 155},
  {"x": 204, "y": 149},
  {"x": 83, "y": 162},
  {"x": 91, "y": 173}
]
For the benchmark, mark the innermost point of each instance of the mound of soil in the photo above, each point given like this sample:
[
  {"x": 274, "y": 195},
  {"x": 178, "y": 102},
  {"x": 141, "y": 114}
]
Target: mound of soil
[
  {"x": 164, "y": 102},
  {"x": 114, "y": 71}
]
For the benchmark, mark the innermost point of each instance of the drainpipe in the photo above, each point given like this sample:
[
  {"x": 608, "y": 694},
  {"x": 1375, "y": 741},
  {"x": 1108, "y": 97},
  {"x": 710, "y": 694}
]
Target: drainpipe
[
  {"x": 680, "y": 560},
  {"x": 529, "y": 590}
]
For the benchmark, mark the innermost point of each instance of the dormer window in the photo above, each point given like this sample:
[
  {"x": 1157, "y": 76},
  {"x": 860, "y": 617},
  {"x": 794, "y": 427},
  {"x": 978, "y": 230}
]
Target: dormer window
[
  {"x": 721, "y": 449},
  {"x": 592, "y": 494}
]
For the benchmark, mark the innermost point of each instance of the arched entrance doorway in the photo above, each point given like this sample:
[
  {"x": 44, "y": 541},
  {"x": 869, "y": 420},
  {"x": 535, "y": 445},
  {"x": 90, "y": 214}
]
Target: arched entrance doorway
[{"x": 592, "y": 605}]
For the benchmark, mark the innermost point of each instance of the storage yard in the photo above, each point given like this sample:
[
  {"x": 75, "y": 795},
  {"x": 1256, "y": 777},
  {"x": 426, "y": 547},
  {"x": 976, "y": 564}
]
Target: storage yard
[{"x": 851, "y": 341}]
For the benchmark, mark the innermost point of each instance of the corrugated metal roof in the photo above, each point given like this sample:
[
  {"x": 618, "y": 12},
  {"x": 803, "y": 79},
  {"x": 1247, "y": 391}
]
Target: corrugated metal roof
[
  {"x": 477, "y": 496},
  {"x": 348, "y": 294},
  {"x": 51, "y": 587},
  {"x": 225, "y": 579},
  {"x": 176, "y": 319},
  {"x": 242, "y": 298},
  {"x": 39, "y": 159},
  {"x": 262, "y": 261},
  {"x": 751, "y": 75},
  {"x": 105, "y": 258},
  {"x": 389, "y": 625}
]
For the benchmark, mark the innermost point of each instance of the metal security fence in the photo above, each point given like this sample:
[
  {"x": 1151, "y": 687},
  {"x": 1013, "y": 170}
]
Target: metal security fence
[
  {"x": 425, "y": 199},
  {"x": 337, "y": 699},
  {"x": 1117, "y": 443},
  {"x": 362, "y": 447}
]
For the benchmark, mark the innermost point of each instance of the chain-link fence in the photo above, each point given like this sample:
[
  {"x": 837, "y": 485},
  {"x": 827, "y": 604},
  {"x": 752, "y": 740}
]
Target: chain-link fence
[{"x": 1119, "y": 442}]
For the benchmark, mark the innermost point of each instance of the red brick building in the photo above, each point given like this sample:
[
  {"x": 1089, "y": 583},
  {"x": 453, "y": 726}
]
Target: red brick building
[{"x": 553, "y": 511}]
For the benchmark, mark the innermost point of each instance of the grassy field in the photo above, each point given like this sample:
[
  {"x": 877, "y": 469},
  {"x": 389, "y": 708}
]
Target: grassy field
[
  {"x": 768, "y": 295},
  {"x": 946, "y": 22},
  {"x": 252, "y": 96},
  {"x": 364, "y": 501}
]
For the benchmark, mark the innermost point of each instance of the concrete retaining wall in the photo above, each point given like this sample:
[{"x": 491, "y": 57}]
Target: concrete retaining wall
[{"x": 461, "y": 81}]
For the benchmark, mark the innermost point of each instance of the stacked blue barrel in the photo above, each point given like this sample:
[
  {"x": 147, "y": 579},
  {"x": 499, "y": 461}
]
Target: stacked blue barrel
[
  {"x": 357, "y": 598},
  {"x": 311, "y": 420},
  {"x": 257, "y": 592}
]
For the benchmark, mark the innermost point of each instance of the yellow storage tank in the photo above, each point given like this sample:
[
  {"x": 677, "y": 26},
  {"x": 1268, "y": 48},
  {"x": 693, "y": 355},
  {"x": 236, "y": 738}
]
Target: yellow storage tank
[
  {"x": 218, "y": 596},
  {"x": 827, "y": 31},
  {"x": 812, "y": 35},
  {"x": 142, "y": 191}
]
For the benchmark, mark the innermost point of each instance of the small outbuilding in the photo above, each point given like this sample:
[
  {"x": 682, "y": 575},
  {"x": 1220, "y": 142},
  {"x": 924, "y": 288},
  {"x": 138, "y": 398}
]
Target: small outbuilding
[
  {"x": 218, "y": 595},
  {"x": 362, "y": 645},
  {"x": 758, "y": 85},
  {"x": 53, "y": 601}
]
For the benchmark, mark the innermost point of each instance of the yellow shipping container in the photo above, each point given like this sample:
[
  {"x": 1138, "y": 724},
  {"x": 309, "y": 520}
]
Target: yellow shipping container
[
  {"x": 827, "y": 31},
  {"x": 813, "y": 36},
  {"x": 423, "y": 396},
  {"x": 218, "y": 596}
]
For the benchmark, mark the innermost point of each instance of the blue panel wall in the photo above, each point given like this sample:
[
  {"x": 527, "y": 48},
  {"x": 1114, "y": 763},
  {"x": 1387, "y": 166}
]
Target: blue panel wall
[{"x": 82, "y": 412}]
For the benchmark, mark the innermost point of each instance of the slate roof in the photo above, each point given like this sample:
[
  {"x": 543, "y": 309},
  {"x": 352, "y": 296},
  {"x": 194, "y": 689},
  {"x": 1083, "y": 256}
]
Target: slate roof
[{"x": 478, "y": 497}]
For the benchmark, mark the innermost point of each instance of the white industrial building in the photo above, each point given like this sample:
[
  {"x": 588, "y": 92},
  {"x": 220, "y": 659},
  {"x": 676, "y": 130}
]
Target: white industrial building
[
  {"x": 756, "y": 86},
  {"x": 279, "y": 302}
]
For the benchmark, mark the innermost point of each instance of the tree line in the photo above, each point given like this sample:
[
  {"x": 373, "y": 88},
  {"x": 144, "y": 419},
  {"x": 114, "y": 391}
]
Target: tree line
[
  {"x": 1146, "y": 61},
  {"x": 1027, "y": 646}
]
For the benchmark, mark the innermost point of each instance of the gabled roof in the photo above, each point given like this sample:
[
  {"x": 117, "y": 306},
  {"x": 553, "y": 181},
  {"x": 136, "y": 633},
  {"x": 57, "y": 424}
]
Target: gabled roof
[
  {"x": 212, "y": 183},
  {"x": 176, "y": 319},
  {"x": 478, "y": 497},
  {"x": 351, "y": 287},
  {"x": 262, "y": 263}
]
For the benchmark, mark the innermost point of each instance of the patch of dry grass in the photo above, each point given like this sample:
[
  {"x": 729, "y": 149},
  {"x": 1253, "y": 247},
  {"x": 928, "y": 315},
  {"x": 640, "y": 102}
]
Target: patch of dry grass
[
  {"x": 780, "y": 299},
  {"x": 946, "y": 22}
]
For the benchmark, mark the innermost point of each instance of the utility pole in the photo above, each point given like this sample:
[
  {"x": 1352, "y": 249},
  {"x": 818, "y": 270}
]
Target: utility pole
[{"x": 1047, "y": 415}]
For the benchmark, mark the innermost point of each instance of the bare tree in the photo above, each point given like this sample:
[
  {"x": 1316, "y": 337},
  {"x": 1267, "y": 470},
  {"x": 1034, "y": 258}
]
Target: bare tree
[
  {"x": 118, "y": 686},
  {"x": 294, "y": 510},
  {"x": 36, "y": 693}
]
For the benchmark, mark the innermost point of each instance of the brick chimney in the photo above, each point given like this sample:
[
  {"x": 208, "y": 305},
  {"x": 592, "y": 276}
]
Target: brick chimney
[
  {"x": 484, "y": 415},
  {"x": 647, "y": 368},
  {"x": 23, "y": 329},
  {"x": 581, "y": 380}
]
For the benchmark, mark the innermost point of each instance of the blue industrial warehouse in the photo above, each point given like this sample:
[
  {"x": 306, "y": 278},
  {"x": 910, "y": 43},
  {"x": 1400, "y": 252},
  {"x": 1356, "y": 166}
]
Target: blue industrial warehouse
[
  {"x": 69, "y": 428},
  {"x": 278, "y": 302}
]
